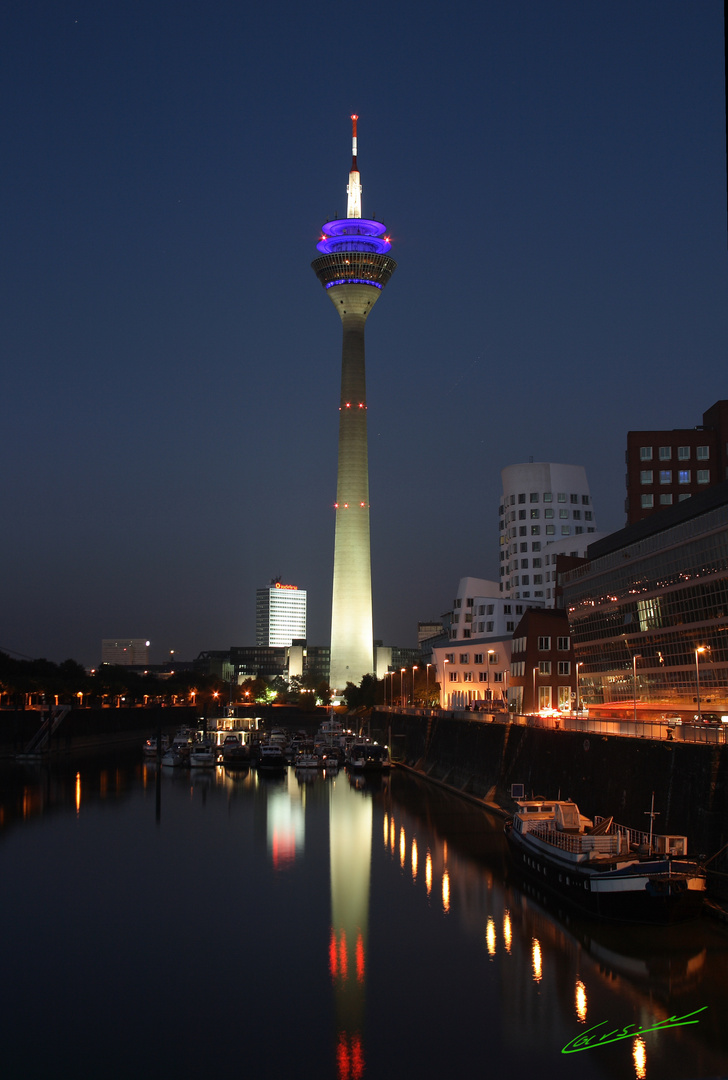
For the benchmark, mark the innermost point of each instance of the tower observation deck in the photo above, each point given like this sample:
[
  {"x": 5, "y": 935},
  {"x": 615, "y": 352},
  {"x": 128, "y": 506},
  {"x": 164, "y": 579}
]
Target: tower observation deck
[{"x": 353, "y": 267}]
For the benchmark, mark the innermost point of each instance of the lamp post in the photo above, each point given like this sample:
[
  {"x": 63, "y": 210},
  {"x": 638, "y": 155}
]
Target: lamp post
[
  {"x": 401, "y": 685},
  {"x": 428, "y": 683},
  {"x": 414, "y": 669},
  {"x": 700, "y": 649},
  {"x": 442, "y": 689},
  {"x": 534, "y": 709},
  {"x": 577, "y": 686}
]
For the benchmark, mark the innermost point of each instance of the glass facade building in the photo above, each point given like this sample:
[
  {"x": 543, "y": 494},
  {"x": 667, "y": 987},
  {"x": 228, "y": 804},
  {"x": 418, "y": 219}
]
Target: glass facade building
[{"x": 648, "y": 610}]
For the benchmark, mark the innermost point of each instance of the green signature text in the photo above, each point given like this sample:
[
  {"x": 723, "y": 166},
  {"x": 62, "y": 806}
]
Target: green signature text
[{"x": 589, "y": 1039}]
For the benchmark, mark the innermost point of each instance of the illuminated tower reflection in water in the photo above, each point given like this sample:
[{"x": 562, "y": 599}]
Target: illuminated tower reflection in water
[{"x": 350, "y": 851}]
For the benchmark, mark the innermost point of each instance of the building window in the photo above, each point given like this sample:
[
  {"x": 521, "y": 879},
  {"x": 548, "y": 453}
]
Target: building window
[
  {"x": 550, "y": 529},
  {"x": 536, "y": 546},
  {"x": 453, "y": 676},
  {"x": 563, "y": 514},
  {"x": 521, "y": 515},
  {"x": 544, "y": 667},
  {"x": 702, "y": 453},
  {"x": 564, "y": 667},
  {"x": 544, "y": 644},
  {"x": 585, "y": 500},
  {"x": 489, "y": 628},
  {"x": 466, "y": 633},
  {"x": 525, "y": 579},
  {"x": 509, "y": 628},
  {"x": 665, "y": 476},
  {"x": 665, "y": 453},
  {"x": 645, "y": 453},
  {"x": 478, "y": 658},
  {"x": 497, "y": 676},
  {"x": 548, "y": 496},
  {"x": 467, "y": 676},
  {"x": 561, "y": 497},
  {"x": 535, "y": 514},
  {"x": 562, "y": 644},
  {"x": 647, "y": 502},
  {"x": 522, "y": 530},
  {"x": 665, "y": 500},
  {"x": 534, "y": 496},
  {"x": 683, "y": 476},
  {"x": 450, "y": 657},
  {"x": 588, "y": 515},
  {"x": 574, "y": 498},
  {"x": 703, "y": 476},
  {"x": 535, "y": 530},
  {"x": 506, "y": 609},
  {"x": 683, "y": 453},
  {"x": 566, "y": 530},
  {"x": 482, "y": 676},
  {"x": 577, "y": 515},
  {"x": 646, "y": 476}
]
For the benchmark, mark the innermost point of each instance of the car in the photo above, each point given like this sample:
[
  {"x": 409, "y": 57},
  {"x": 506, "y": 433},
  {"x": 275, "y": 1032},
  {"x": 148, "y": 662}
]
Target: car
[
  {"x": 710, "y": 718},
  {"x": 673, "y": 721}
]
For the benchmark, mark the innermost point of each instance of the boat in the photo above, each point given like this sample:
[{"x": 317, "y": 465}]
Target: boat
[
  {"x": 202, "y": 756},
  {"x": 606, "y": 869},
  {"x": 235, "y": 754},
  {"x": 307, "y": 760},
  {"x": 271, "y": 758},
  {"x": 150, "y": 746},
  {"x": 368, "y": 757},
  {"x": 173, "y": 759}
]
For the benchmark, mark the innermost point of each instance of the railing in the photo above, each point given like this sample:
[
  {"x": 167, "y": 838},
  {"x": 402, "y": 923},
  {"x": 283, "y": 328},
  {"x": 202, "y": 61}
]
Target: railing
[{"x": 579, "y": 843}]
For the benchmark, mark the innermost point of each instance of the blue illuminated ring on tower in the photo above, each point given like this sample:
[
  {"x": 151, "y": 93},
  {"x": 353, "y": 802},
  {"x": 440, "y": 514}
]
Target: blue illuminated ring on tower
[{"x": 354, "y": 234}]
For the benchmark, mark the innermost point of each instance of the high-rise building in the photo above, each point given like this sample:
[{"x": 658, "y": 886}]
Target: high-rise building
[
  {"x": 125, "y": 651},
  {"x": 280, "y": 614},
  {"x": 353, "y": 267},
  {"x": 667, "y": 467},
  {"x": 546, "y": 510}
]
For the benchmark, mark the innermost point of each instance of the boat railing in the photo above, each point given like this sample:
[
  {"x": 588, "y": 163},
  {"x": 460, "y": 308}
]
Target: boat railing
[
  {"x": 658, "y": 843},
  {"x": 578, "y": 843}
]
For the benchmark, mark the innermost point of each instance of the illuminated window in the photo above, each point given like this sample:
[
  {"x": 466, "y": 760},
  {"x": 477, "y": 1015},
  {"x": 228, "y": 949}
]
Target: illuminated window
[
  {"x": 535, "y": 514},
  {"x": 665, "y": 476},
  {"x": 544, "y": 667},
  {"x": 683, "y": 476}
]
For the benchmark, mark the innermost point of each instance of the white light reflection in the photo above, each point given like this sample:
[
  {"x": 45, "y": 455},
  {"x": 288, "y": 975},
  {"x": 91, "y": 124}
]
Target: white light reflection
[
  {"x": 536, "y": 960},
  {"x": 580, "y": 1001},
  {"x": 414, "y": 859},
  {"x": 490, "y": 937},
  {"x": 428, "y": 873},
  {"x": 386, "y": 828},
  {"x": 507, "y": 931},
  {"x": 639, "y": 1056},
  {"x": 402, "y": 847},
  {"x": 445, "y": 892}
]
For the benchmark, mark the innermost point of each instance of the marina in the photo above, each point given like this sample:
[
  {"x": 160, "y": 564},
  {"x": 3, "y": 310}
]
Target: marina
[{"x": 379, "y": 912}]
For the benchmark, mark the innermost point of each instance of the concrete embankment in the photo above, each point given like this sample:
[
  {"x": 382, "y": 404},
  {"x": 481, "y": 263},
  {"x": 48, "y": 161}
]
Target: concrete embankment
[
  {"x": 603, "y": 774},
  {"x": 86, "y": 729}
]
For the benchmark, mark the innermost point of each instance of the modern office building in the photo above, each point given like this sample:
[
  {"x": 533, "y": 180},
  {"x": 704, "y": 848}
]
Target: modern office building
[
  {"x": 668, "y": 467},
  {"x": 126, "y": 651},
  {"x": 280, "y": 614},
  {"x": 353, "y": 267},
  {"x": 545, "y": 510},
  {"x": 648, "y": 610}
]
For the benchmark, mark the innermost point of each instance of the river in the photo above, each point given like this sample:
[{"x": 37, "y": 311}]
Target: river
[{"x": 218, "y": 923}]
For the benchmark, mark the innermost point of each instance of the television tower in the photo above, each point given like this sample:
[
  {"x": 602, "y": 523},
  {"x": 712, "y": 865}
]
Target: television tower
[{"x": 353, "y": 267}]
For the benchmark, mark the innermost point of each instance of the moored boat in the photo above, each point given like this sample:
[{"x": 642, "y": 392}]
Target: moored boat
[
  {"x": 606, "y": 869},
  {"x": 235, "y": 754},
  {"x": 150, "y": 745},
  {"x": 271, "y": 758},
  {"x": 202, "y": 756}
]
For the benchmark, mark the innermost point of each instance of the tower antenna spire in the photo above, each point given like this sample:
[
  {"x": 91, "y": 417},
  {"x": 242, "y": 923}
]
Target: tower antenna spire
[{"x": 353, "y": 190}]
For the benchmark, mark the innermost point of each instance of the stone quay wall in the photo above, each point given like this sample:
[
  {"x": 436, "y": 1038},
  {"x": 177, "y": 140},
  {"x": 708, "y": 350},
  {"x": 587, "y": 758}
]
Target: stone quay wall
[{"x": 603, "y": 774}]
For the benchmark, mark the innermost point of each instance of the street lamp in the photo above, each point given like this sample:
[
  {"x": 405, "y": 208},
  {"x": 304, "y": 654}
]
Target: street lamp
[
  {"x": 414, "y": 669},
  {"x": 700, "y": 649},
  {"x": 534, "y": 690},
  {"x": 577, "y": 685},
  {"x": 442, "y": 688},
  {"x": 401, "y": 685},
  {"x": 635, "y": 658}
]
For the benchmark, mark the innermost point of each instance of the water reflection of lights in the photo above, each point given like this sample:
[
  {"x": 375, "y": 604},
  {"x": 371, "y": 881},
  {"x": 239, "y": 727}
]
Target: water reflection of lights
[
  {"x": 414, "y": 859},
  {"x": 391, "y": 834},
  {"x": 581, "y": 1001},
  {"x": 445, "y": 892},
  {"x": 639, "y": 1056},
  {"x": 386, "y": 828},
  {"x": 349, "y": 1057},
  {"x": 507, "y": 930},
  {"x": 402, "y": 847},
  {"x": 536, "y": 960},
  {"x": 78, "y": 791},
  {"x": 490, "y": 937},
  {"x": 428, "y": 873},
  {"x": 360, "y": 961}
]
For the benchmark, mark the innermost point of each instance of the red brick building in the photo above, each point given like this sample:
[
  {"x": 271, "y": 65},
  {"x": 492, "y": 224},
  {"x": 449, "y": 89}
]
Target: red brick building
[
  {"x": 667, "y": 467},
  {"x": 543, "y": 672}
]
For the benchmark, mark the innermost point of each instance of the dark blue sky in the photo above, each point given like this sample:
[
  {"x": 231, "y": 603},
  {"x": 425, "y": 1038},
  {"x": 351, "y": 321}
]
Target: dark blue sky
[{"x": 553, "y": 178}]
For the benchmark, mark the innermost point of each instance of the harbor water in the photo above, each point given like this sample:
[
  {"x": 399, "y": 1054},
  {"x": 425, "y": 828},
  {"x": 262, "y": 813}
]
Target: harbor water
[{"x": 185, "y": 923}]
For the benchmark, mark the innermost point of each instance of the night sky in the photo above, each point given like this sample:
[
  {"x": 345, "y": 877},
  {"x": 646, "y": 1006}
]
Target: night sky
[{"x": 553, "y": 178}]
